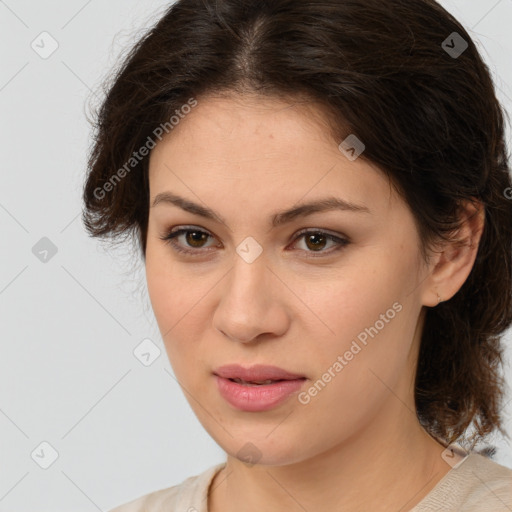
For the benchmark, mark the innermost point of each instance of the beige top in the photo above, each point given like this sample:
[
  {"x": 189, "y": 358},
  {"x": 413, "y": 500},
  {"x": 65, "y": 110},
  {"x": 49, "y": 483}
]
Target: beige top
[{"x": 477, "y": 484}]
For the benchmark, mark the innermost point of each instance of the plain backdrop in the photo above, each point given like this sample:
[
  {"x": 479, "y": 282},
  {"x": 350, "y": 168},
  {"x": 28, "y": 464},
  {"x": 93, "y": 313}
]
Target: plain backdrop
[{"x": 84, "y": 425}]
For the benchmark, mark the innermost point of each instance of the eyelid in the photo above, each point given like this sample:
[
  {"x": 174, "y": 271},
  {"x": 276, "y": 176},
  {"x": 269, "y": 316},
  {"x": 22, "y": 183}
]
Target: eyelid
[
  {"x": 170, "y": 234},
  {"x": 168, "y": 237}
]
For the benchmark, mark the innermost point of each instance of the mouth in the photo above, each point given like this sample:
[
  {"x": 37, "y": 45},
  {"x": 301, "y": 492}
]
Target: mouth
[
  {"x": 257, "y": 374},
  {"x": 261, "y": 383},
  {"x": 257, "y": 388}
]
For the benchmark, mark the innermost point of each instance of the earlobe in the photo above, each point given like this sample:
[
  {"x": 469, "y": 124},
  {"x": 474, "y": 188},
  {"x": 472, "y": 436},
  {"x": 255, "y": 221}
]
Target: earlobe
[{"x": 457, "y": 257}]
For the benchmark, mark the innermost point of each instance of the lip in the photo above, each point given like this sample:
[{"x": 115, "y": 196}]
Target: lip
[
  {"x": 256, "y": 398},
  {"x": 255, "y": 373}
]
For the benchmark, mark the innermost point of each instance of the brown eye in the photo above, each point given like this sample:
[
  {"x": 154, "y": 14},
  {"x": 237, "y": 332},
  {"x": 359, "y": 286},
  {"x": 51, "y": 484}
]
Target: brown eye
[
  {"x": 193, "y": 239},
  {"x": 316, "y": 241}
]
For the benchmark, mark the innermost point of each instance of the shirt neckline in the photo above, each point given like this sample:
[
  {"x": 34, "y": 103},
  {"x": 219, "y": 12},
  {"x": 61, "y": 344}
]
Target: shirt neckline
[{"x": 212, "y": 473}]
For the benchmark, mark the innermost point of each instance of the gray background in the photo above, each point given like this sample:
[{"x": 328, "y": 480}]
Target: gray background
[{"x": 70, "y": 324}]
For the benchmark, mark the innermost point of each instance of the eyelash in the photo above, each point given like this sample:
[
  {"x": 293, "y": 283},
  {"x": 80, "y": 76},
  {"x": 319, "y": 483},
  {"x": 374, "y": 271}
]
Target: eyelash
[{"x": 171, "y": 235}]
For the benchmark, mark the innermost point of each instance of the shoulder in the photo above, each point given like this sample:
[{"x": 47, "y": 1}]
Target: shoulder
[
  {"x": 189, "y": 496},
  {"x": 478, "y": 485}
]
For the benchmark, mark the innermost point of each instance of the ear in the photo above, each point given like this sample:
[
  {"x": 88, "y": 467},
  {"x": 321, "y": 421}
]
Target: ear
[{"x": 452, "y": 264}]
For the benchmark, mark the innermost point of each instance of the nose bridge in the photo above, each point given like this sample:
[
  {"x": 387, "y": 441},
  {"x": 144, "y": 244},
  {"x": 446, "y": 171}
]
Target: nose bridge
[
  {"x": 248, "y": 282},
  {"x": 247, "y": 305}
]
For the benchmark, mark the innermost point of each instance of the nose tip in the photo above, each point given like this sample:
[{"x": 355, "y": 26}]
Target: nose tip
[{"x": 248, "y": 307}]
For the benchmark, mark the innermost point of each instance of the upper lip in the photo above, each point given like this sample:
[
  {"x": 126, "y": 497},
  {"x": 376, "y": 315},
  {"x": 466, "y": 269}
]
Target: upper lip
[{"x": 257, "y": 372}]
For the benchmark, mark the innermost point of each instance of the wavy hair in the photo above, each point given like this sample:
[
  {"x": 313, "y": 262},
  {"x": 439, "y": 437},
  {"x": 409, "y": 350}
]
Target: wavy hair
[{"x": 386, "y": 71}]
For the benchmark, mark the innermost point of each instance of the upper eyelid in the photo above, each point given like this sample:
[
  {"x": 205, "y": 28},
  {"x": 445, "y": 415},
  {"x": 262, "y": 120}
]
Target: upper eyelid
[{"x": 301, "y": 231}]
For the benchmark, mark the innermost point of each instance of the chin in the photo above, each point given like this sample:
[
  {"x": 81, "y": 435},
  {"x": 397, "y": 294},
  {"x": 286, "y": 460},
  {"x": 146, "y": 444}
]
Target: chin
[{"x": 249, "y": 445}]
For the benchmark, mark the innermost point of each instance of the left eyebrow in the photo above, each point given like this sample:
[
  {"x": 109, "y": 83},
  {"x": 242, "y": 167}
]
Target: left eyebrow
[
  {"x": 321, "y": 205},
  {"x": 277, "y": 219}
]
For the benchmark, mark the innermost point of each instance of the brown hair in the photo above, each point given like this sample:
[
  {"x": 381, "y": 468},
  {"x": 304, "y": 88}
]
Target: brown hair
[{"x": 387, "y": 72}]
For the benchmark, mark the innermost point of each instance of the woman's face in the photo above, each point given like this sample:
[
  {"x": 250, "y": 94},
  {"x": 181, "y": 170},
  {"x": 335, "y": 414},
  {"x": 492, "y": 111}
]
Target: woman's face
[{"x": 339, "y": 314}]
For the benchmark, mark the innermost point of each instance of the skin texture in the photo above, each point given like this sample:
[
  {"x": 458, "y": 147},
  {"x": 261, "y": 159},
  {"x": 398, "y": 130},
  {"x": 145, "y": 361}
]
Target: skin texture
[{"x": 357, "y": 444}]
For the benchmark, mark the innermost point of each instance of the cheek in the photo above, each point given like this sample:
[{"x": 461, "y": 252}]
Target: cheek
[
  {"x": 158, "y": 283},
  {"x": 167, "y": 293},
  {"x": 176, "y": 303},
  {"x": 344, "y": 304},
  {"x": 364, "y": 317},
  {"x": 168, "y": 286}
]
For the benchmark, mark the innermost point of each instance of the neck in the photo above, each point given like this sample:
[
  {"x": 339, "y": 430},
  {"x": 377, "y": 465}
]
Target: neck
[{"x": 382, "y": 467}]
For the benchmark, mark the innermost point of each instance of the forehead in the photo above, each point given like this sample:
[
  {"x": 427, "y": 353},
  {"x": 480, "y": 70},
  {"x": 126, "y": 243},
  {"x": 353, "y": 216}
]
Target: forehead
[
  {"x": 256, "y": 119},
  {"x": 253, "y": 145}
]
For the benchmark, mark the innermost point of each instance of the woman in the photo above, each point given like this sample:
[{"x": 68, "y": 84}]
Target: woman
[{"x": 320, "y": 190}]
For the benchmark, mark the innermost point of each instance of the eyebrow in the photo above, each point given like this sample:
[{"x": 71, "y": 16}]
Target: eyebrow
[{"x": 283, "y": 217}]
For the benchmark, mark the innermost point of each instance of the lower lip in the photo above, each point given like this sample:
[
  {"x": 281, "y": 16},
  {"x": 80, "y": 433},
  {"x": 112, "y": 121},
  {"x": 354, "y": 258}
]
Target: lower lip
[{"x": 257, "y": 398}]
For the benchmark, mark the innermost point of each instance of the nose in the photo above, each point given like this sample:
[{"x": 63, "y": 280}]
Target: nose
[{"x": 252, "y": 303}]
